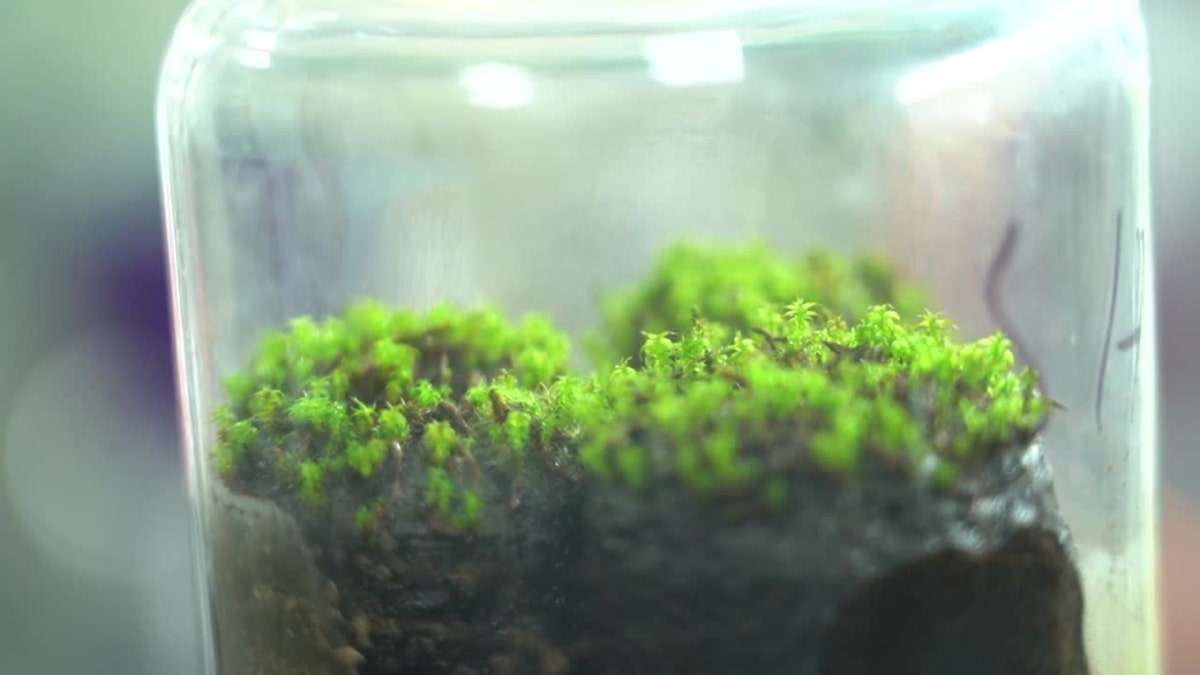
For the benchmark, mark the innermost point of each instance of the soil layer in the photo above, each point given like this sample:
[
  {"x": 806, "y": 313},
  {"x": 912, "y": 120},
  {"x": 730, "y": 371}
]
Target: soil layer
[
  {"x": 574, "y": 577},
  {"x": 885, "y": 576}
]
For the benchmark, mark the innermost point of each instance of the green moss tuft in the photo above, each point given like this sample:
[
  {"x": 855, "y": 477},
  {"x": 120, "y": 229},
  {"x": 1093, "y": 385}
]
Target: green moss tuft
[
  {"x": 440, "y": 441},
  {"x": 366, "y": 457},
  {"x": 726, "y": 411},
  {"x": 393, "y": 426},
  {"x": 466, "y": 520},
  {"x": 322, "y": 403},
  {"x": 732, "y": 284},
  {"x": 517, "y": 429},
  {"x": 312, "y": 476}
]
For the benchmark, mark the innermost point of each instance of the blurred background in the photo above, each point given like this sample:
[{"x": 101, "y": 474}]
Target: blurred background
[{"x": 95, "y": 569}]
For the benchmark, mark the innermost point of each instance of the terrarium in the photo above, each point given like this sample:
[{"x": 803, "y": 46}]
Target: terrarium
[{"x": 666, "y": 336}]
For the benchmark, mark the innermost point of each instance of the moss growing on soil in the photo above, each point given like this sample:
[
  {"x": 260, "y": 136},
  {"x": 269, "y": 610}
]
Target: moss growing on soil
[
  {"x": 326, "y": 404},
  {"x": 727, "y": 411},
  {"x": 728, "y": 284},
  {"x": 452, "y": 476}
]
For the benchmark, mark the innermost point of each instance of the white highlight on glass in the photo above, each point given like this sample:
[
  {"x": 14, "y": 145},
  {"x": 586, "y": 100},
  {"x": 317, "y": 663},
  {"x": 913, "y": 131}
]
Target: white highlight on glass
[
  {"x": 261, "y": 40},
  {"x": 196, "y": 42},
  {"x": 497, "y": 85},
  {"x": 297, "y": 24},
  {"x": 691, "y": 59},
  {"x": 259, "y": 45},
  {"x": 252, "y": 58},
  {"x": 310, "y": 20}
]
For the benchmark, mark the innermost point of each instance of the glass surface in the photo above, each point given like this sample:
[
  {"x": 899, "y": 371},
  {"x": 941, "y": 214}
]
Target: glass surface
[{"x": 537, "y": 156}]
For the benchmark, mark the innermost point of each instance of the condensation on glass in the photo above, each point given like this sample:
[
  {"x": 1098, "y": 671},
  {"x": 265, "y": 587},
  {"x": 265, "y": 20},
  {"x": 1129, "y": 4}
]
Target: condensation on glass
[{"x": 535, "y": 154}]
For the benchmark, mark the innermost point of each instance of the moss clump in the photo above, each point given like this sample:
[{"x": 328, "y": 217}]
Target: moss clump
[
  {"x": 332, "y": 402},
  {"x": 729, "y": 284},
  {"x": 732, "y": 412},
  {"x": 730, "y": 405}
]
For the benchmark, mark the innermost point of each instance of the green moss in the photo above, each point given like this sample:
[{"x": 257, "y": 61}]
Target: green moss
[
  {"x": 367, "y": 517},
  {"x": 266, "y": 406},
  {"x": 801, "y": 390},
  {"x": 393, "y": 426},
  {"x": 736, "y": 403},
  {"x": 517, "y": 429},
  {"x": 731, "y": 284},
  {"x": 364, "y": 518},
  {"x": 440, "y": 441},
  {"x": 467, "y": 518},
  {"x": 456, "y": 506},
  {"x": 631, "y": 463},
  {"x": 777, "y": 492},
  {"x": 235, "y": 439},
  {"x": 439, "y": 490},
  {"x": 323, "y": 403},
  {"x": 312, "y": 476},
  {"x": 365, "y": 457}
]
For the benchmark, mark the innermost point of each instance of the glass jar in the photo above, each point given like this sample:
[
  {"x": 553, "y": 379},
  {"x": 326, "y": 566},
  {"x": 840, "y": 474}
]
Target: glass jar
[{"x": 668, "y": 336}]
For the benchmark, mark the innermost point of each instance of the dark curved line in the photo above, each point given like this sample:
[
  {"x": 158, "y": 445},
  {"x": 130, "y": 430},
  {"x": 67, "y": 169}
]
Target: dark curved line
[
  {"x": 1108, "y": 331},
  {"x": 994, "y": 296},
  {"x": 1129, "y": 341},
  {"x": 1135, "y": 336}
]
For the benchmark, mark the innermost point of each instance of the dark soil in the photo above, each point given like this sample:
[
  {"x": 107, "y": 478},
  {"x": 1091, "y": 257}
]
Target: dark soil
[
  {"x": 584, "y": 578},
  {"x": 887, "y": 576},
  {"x": 411, "y": 594}
]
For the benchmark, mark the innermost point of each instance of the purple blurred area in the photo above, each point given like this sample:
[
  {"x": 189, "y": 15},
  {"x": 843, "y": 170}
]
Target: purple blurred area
[
  {"x": 96, "y": 572},
  {"x": 124, "y": 281}
]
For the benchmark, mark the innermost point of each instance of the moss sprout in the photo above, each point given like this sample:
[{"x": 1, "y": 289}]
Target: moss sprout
[
  {"x": 366, "y": 457},
  {"x": 366, "y": 518},
  {"x": 440, "y": 440}
]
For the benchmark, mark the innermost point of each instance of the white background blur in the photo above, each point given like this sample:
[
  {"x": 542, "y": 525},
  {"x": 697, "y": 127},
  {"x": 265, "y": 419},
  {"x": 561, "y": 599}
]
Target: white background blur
[{"x": 95, "y": 572}]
